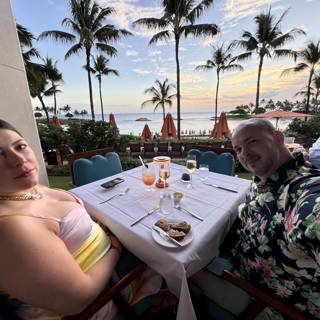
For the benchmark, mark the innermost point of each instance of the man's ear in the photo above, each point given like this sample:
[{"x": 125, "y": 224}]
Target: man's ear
[{"x": 279, "y": 137}]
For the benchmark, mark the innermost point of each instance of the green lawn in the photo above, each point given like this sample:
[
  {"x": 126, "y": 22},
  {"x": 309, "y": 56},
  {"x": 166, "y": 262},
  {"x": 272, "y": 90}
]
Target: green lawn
[
  {"x": 64, "y": 182},
  {"x": 60, "y": 182}
]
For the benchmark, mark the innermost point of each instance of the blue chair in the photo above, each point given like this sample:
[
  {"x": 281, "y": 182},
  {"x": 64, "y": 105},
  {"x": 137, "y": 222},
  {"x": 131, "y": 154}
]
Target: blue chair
[
  {"x": 220, "y": 163},
  {"x": 96, "y": 168}
]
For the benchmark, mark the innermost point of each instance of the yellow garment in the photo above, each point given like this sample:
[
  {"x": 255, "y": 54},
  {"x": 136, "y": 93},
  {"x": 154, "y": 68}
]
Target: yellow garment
[{"x": 93, "y": 249}]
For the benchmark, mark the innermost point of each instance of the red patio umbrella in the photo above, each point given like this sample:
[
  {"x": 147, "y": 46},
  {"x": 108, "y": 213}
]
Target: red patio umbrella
[
  {"x": 168, "y": 129},
  {"x": 146, "y": 133},
  {"x": 56, "y": 121},
  {"x": 112, "y": 120},
  {"x": 221, "y": 129},
  {"x": 281, "y": 114}
]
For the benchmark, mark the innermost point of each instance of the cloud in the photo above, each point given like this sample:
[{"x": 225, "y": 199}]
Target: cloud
[
  {"x": 129, "y": 11},
  {"x": 132, "y": 53},
  {"x": 153, "y": 53},
  {"x": 239, "y": 9},
  {"x": 141, "y": 72}
]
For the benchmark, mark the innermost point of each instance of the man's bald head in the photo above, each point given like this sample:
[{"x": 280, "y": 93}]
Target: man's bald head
[{"x": 262, "y": 124}]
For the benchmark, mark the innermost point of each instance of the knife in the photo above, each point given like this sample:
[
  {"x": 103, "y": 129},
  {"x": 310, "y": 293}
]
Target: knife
[
  {"x": 165, "y": 235},
  {"x": 219, "y": 187},
  {"x": 191, "y": 213},
  {"x": 145, "y": 215}
]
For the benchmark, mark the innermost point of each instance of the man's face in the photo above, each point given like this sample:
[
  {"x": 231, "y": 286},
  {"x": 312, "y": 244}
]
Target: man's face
[{"x": 258, "y": 150}]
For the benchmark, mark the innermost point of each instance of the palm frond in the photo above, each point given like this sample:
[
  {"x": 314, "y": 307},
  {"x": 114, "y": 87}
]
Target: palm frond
[
  {"x": 73, "y": 50},
  {"x": 299, "y": 67},
  {"x": 151, "y": 23},
  {"x": 108, "y": 49},
  {"x": 200, "y": 30},
  {"x": 285, "y": 53},
  {"x": 199, "y": 9},
  {"x": 57, "y": 35},
  {"x": 162, "y": 35}
]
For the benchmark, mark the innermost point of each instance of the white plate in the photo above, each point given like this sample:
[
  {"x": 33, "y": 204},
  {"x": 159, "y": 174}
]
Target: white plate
[{"x": 167, "y": 243}]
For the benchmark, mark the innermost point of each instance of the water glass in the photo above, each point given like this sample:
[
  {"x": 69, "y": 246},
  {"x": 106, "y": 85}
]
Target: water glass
[
  {"x": 166, "y": 203},
  {"x": 204, "y": 171}
]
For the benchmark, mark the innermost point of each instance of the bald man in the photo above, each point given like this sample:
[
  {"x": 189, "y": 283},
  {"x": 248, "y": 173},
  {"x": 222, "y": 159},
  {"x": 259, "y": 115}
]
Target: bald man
[{"x": 275, "y": 241}]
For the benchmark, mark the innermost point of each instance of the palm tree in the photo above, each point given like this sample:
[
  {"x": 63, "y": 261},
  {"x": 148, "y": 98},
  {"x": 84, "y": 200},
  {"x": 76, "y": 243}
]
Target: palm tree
[
  {"x": 222, "y": 61},
  {"x": 39, "y": 89},
  {"x": 100, "y": 66},
  {"x": 310, "y": 57},
  {"x": 89, "y": 31},
  {"x": 178, "y": 19},
  {"x": 26, "y": 39},
  {"x": 54, "y": 76},
  {"x": 161, "y": 96},
  {"x": 267, "y": 42}
]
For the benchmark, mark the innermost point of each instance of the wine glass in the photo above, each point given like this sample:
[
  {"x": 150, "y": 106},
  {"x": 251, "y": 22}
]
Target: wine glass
[
  {"x": 204, "y": 170},
  {"x": 148, "y": 176},
  {"x": 164, "y": 173},
  {"x": 191, "y": 165}
]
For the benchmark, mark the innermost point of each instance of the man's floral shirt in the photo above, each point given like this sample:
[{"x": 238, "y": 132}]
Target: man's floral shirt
[{"x": 279, "y": 235}]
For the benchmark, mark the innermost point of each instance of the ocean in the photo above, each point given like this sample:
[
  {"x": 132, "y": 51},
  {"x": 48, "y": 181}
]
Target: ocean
[{"x": 195, "y": 121}]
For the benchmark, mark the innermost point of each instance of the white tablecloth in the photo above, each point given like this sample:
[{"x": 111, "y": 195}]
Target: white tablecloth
[{"x": 217, "y": 207}]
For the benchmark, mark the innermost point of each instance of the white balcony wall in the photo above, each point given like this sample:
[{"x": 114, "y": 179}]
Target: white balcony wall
[{"x": 15, "y": 102}]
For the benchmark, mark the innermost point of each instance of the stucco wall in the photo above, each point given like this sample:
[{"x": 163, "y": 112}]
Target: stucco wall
[{"x": 15, "y": 103}]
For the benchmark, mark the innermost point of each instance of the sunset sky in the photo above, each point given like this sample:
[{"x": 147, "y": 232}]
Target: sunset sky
[{"x": 140, "y": 65}]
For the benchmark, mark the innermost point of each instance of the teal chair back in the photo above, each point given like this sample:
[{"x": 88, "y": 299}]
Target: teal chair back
[
  {"x": 96, "y": 168},
  {"x": 223, "y": 163}
]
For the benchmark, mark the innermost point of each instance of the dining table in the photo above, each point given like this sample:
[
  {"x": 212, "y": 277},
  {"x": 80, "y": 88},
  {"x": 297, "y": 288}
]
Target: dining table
[{"x": 218, "y": 208}]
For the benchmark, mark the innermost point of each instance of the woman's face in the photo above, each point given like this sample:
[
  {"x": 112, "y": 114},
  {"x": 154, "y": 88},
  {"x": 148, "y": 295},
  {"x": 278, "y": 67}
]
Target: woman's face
[{"x": 18, "y": 164}]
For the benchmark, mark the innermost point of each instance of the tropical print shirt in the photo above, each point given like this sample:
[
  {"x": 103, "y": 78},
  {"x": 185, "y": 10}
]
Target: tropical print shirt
[{"x": 279, "y": 235}]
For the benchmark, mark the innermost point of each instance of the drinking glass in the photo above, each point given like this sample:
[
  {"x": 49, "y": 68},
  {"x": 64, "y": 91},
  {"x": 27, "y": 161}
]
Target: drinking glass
[
  {"x": 164, "y": 173},
  {"x": 204, "y": 170},
  {"x": 166, "y": 203},
  {"x": 148, "y": 176},
  {"x": 191, "y": 165}
]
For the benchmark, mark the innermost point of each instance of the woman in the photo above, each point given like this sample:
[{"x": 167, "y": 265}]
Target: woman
[{"x": 55, "y": 259}]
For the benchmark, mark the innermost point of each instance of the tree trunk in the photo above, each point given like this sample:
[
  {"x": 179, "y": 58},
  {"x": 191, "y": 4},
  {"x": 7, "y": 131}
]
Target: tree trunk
[
  {"x": 163, "y": 112},
  {"x": 54, "y": 98},
  {"x": 44, "y": 107},
  {"x": 217, "y": 91},
  {"x": 178, "y": 83},
  {"x": 308, "y": 90},
  {"x": 90, "y": 84},
  {"x": 258, "y": 84},
  {"x": 316, "y": 97},
  {"x": 101, "y": 103}
]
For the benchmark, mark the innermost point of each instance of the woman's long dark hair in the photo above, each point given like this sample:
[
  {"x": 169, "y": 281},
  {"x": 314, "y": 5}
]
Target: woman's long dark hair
[
  {"x": 8, "y": 307},
  {"x": 6, "y": 125}
]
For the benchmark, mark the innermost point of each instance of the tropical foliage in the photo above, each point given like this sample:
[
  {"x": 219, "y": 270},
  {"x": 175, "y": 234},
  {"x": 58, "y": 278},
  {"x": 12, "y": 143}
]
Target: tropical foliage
[
  {"x": 267, "y": 41},
  {"x": 89, "y": 31},
  {"x": 222, "y": 60},
  {"x": 179, "y": 19},
  {"x": 161, "y": 95},
  {"x": 310, "y": 57}
]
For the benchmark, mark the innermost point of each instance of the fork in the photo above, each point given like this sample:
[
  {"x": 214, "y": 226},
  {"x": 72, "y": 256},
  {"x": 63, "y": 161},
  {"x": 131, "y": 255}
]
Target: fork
[{"x": 117, "y": 195}]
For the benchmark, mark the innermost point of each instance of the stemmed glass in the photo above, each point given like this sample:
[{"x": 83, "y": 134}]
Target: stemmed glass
[
  {"x": 191, "y": 165},
  {"x": 204, "y": 170},
  {"x": 148, "y": 176},
  {"x": 164, "y": 173}
]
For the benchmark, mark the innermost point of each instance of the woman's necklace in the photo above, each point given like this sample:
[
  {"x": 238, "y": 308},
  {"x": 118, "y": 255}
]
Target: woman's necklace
[{"x": 35, "y": 194}]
